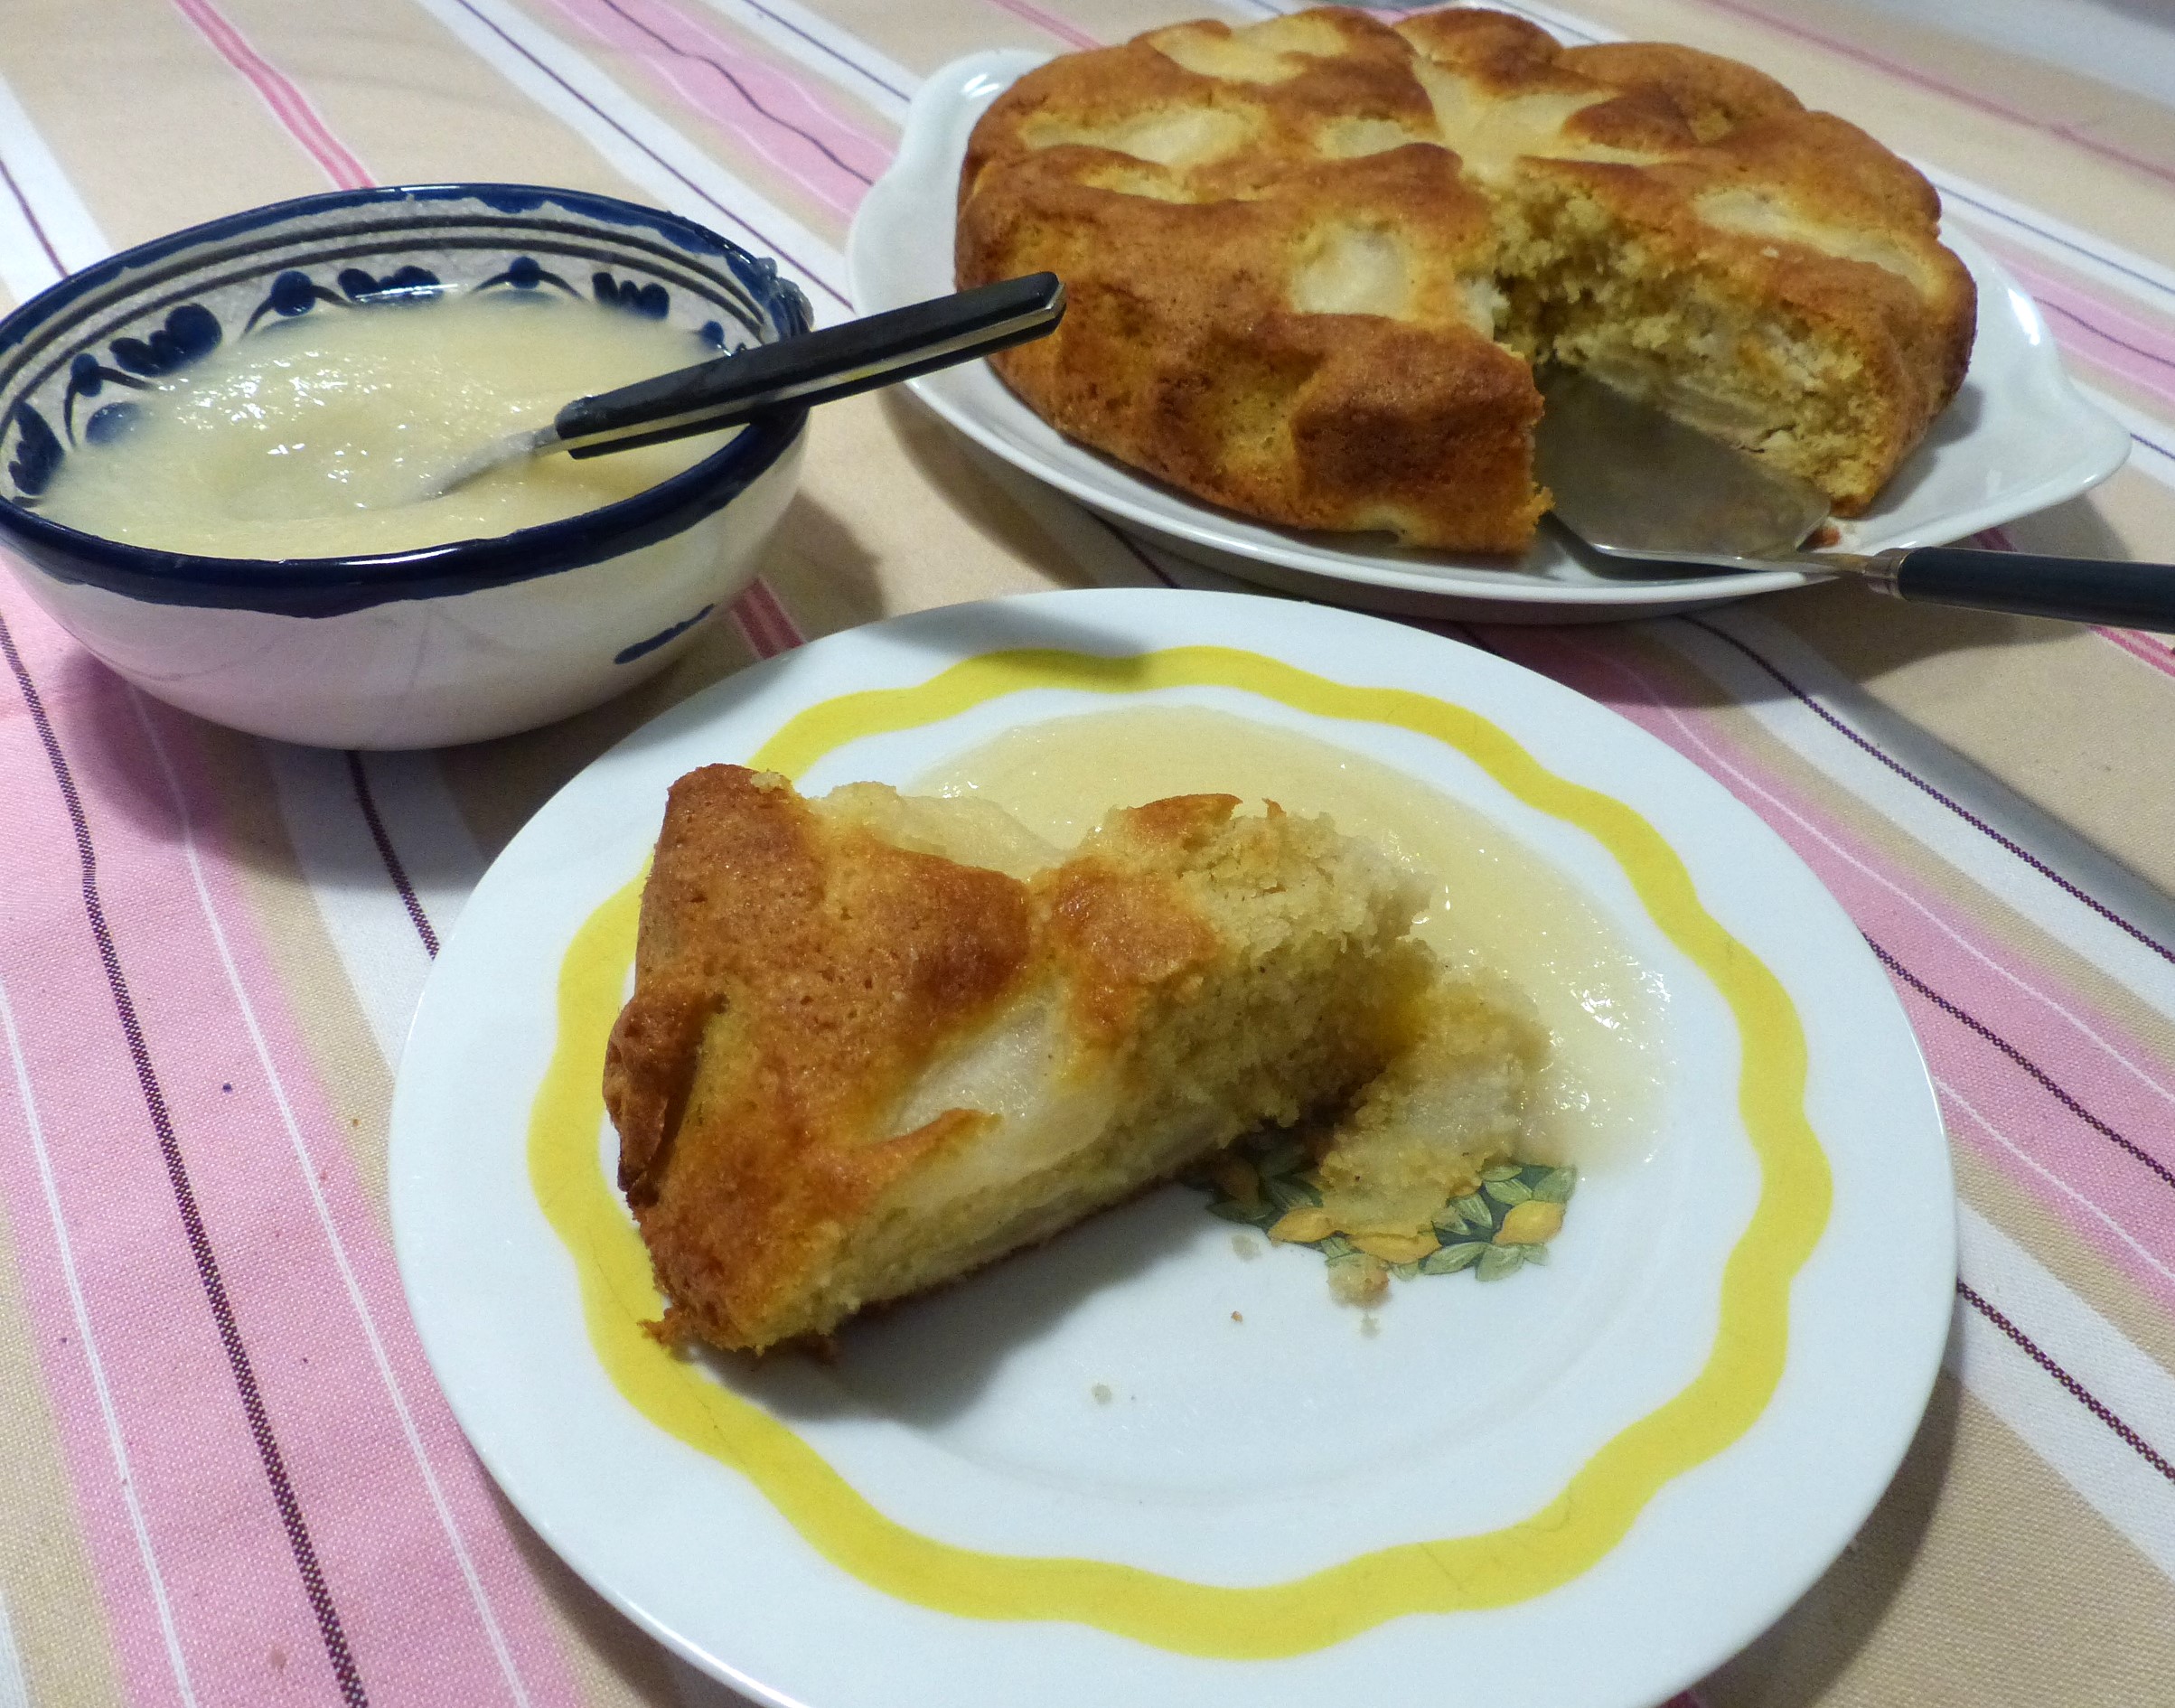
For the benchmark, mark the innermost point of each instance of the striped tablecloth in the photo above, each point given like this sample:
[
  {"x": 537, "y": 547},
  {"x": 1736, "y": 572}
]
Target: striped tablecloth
[{"x": 226, "y": 1476}]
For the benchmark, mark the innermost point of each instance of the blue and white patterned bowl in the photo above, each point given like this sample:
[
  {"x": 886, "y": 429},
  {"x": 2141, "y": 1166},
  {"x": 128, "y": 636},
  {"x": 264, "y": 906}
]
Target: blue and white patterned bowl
[{"x": 457, "y": 642}]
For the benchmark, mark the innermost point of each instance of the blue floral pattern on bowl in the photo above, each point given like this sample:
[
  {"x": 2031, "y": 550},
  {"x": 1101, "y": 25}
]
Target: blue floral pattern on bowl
[{"x": 69, "y": 358}]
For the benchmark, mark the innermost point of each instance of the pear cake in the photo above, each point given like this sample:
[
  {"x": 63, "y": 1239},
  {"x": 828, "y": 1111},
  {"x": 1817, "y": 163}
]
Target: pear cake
[
  {"x": 877, "y": 1042},
  {"x": 1311, "y": 264}
]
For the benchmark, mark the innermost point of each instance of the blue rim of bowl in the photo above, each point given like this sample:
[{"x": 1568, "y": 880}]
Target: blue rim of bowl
[{"x": 332, "y": 586}]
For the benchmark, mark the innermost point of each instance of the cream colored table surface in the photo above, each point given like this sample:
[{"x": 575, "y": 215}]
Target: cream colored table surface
[{"x": 225, "y": 1473}]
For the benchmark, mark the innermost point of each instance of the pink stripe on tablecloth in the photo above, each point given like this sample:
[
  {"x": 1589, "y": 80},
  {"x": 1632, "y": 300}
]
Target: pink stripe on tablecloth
[
  {"x": 764, "y": 622},
  {"x": 144, "y": 1290},
  {"x": 769, "y": 113},
  {"x": 407, "y": 1603},
  {"x": 2069, "y": 1088},
  {"x": 288, "y": 104},
  {"x": 2153, "y": 650},
  {"x": 1918, "y": 79},
  {"x": 2096, "y": 327},
  {"x": 1049, "y": 24}
]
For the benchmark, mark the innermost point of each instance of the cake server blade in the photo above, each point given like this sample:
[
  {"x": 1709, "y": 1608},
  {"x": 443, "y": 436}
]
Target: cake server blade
[{"x": 1637, "y": 485}]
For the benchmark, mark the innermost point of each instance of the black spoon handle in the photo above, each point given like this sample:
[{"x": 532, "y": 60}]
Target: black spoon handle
[
  {"x": 2131, "y": 596},
  {"x": 815, "y": 366}
]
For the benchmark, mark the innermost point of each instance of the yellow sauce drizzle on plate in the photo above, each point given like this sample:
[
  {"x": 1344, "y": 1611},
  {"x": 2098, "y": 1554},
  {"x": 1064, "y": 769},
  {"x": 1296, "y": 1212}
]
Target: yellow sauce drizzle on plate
[
  {"x": 1497, "y": 911},
  {"x": 1566, "y": 1537}
]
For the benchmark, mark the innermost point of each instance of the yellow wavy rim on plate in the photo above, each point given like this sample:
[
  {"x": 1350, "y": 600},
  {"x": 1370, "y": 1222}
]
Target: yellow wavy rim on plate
[{"x": 1566, "y": 1537}]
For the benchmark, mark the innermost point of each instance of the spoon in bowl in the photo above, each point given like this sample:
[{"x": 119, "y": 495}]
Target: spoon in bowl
[{"x": 813, "y": 368}]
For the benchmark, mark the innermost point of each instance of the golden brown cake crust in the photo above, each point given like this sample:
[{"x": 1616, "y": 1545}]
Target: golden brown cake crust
[
  {"x": 795, "y": 973},
  {"x": 850, "y": 1071},
  {"x": 1218, "y": 204},
  {"x": 836, "y": 965}
]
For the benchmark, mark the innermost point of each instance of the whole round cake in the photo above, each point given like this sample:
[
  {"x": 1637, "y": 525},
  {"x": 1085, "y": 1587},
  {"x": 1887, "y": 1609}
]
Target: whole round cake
[{"x": 1311, "y": 264}]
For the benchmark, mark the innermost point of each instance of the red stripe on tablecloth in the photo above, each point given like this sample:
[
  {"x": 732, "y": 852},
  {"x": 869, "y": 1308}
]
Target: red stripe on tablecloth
[
  {"x": 771, "y": 113},
  {"x": 433, "y": 1603},
  {"x": 2084, "y": 1115},
  {"x": 288, "y": 104}
]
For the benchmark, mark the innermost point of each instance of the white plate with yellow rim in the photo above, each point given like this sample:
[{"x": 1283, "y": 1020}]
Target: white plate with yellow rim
[
  {"x": 1078, "y": 1478},
  {"x": 2019, "y": 437}
]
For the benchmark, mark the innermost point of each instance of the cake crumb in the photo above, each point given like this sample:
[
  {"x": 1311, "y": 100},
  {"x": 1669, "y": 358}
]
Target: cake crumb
[
  {"x": 1358, "y": 1280},
  {"x": 1101, "y": 1391},
  {"x": 1246, "y": 1246},
  {"x": 1236, "y": 1317}
]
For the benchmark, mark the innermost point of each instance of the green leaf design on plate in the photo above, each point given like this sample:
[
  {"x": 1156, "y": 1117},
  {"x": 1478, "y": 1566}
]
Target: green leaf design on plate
[
  {"x": 1478, "y": 1213},
  {"x": 1556, "y": 1186},
  {"x": 1498, "y": 1260},
  {"x": 1466, "y": 1225},
  {"x": 1450, "y": 1258}
]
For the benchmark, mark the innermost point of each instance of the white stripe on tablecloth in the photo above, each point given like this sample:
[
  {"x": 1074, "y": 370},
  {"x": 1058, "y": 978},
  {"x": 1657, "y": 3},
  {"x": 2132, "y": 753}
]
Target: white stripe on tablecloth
[
  {"x": 2118, "y": 1482},
  {"x": 14, "y": 1688},
  {"x": 48, "y": 198},
  {"x": 369, "y": 923},
  {"x": 1942, "y": 832},
  {"x": 819, "y": 45},
  {"x": 639, "y": 146},
  {"x": 124, "y": 1481}
]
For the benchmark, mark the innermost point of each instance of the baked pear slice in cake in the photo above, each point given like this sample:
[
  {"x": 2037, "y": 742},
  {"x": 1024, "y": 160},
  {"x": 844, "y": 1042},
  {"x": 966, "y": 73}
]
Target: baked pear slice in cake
[{"x": 875, "y": 1043}]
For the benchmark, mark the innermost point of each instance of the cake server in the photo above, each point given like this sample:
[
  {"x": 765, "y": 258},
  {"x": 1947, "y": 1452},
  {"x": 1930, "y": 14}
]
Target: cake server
[
  {"x": 1635, "y": 485},
  {"x": 880, "y": 349}
]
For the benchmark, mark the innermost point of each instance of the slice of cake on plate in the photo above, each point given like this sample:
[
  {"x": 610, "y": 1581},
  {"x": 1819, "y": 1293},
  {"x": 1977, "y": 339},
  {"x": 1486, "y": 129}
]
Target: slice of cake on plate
[{"x": 876, "y": 1042}]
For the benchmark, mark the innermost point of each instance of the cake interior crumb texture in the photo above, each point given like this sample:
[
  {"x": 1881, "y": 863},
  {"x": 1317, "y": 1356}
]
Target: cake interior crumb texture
[
  {"x": 1312, "y": 262},
  {"x": 877, "y": 1042}
]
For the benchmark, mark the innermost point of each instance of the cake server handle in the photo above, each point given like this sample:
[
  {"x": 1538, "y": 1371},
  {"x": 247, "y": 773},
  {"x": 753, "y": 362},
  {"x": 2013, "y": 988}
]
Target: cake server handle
[{"x": 2127, "y": 596}]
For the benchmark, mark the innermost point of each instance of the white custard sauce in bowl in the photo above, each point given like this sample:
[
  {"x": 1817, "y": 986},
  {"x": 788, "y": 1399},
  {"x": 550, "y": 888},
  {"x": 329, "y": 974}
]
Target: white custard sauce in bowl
[
  {"x": 212, "y": 446},
  {"x": 311, "y": 437}
]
